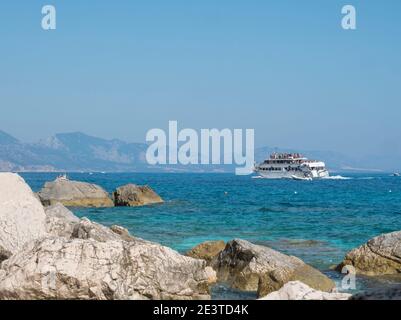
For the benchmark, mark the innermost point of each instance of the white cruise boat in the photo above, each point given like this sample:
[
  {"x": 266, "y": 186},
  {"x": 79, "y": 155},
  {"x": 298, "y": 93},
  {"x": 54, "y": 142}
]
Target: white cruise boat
[{"x": 291, "y": 166}]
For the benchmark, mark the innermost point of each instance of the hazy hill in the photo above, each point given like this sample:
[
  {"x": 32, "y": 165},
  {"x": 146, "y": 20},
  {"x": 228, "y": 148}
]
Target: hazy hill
[
  {"x": 6, "y": 139},
  {"x": 80, "y": 152}
]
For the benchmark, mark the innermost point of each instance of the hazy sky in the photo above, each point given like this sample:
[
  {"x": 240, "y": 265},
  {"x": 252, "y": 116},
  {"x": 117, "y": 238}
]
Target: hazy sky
[{"x": 115, "y": 69}]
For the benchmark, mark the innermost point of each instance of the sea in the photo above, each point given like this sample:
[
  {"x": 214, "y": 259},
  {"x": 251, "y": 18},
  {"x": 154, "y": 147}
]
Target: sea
[{"x": 318, "y": 221}]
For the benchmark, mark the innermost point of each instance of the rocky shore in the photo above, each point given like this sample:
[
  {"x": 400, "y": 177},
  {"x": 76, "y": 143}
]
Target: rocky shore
[
  {"x": 249, "y": 267},
  {"x": 46, "y": 252}
]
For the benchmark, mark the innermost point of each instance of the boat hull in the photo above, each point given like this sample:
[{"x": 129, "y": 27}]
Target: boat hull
[{"x": 290, "y": 175}]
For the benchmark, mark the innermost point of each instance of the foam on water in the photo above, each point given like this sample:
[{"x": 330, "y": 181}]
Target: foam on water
[{"x": 338, "y": 177}]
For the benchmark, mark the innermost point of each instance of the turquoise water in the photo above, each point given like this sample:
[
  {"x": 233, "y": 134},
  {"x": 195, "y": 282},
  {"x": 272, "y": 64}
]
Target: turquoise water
[{"x": 318, "y": 221}]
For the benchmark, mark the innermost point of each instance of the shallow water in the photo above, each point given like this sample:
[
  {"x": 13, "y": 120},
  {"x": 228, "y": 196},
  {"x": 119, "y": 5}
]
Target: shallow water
[{"x": 318, "y": 221}]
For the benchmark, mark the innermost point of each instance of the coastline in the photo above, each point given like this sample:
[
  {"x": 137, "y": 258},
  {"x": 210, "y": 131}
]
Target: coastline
[{"x": 311, "y": 249}]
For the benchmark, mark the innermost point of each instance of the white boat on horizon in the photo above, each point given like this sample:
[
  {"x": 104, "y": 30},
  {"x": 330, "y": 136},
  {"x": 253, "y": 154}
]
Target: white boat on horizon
[{"x": 291, "y": 166}]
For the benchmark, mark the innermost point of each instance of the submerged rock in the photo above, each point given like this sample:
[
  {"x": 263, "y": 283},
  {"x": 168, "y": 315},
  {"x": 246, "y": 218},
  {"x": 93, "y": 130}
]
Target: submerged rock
[
  {"x": 132, "y": 195},
  {"x": 251, "y": 267},
  {"x": 207, "y": 250},
  {"x": 379, "y": 256},
  {"x": 60, "y": 268},
  {"x": 74, "y": 194},
  {"x": 22, "y": 217},
  {"x": 296, "y": 290},
  {"x": 393, "y": 293}
]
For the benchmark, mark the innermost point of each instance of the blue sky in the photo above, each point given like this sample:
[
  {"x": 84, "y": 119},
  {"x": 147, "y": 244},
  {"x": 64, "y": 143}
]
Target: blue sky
[{"x": 116, "y": 69}]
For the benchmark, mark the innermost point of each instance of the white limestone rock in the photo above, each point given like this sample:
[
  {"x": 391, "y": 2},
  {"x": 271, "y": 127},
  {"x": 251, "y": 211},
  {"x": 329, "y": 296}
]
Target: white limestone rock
[
  {"x": 60, "y": 268},
  {"x": 296, "y": 290},
  {"x": 60, "y": 221},
  {"x": 22, "y": 217},
  {"x": 86, "y": 229}
]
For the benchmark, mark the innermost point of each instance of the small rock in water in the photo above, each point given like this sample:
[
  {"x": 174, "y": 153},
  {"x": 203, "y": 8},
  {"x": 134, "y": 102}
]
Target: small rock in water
[
  {"x": 74, "y": 194},
  {"x": 132, "y": 195}
]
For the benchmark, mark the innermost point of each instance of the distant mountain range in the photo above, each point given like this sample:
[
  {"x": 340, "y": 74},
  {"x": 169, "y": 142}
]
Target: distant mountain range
[{"x": 80, "y": 152}]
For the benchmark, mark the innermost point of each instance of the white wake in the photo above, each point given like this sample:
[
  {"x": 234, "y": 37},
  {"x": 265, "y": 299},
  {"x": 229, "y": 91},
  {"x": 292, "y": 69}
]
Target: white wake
[{"x": 337, "y": 178}]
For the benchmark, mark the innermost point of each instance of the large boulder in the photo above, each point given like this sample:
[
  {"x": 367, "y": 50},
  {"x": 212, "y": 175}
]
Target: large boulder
[
  {"x": 250, "y": 267},
  {"x": 379, "y": 256},
  {"x": 74, "y": 194},
  {"x": 61, "y": 268},
  {"x": 208, "y": 250},
  {"x": 296, "y": 290},
  {"x": 60, "y": 221},
  {"x": 132, "y": 195},
  {"x": 22, "y": 217}
]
